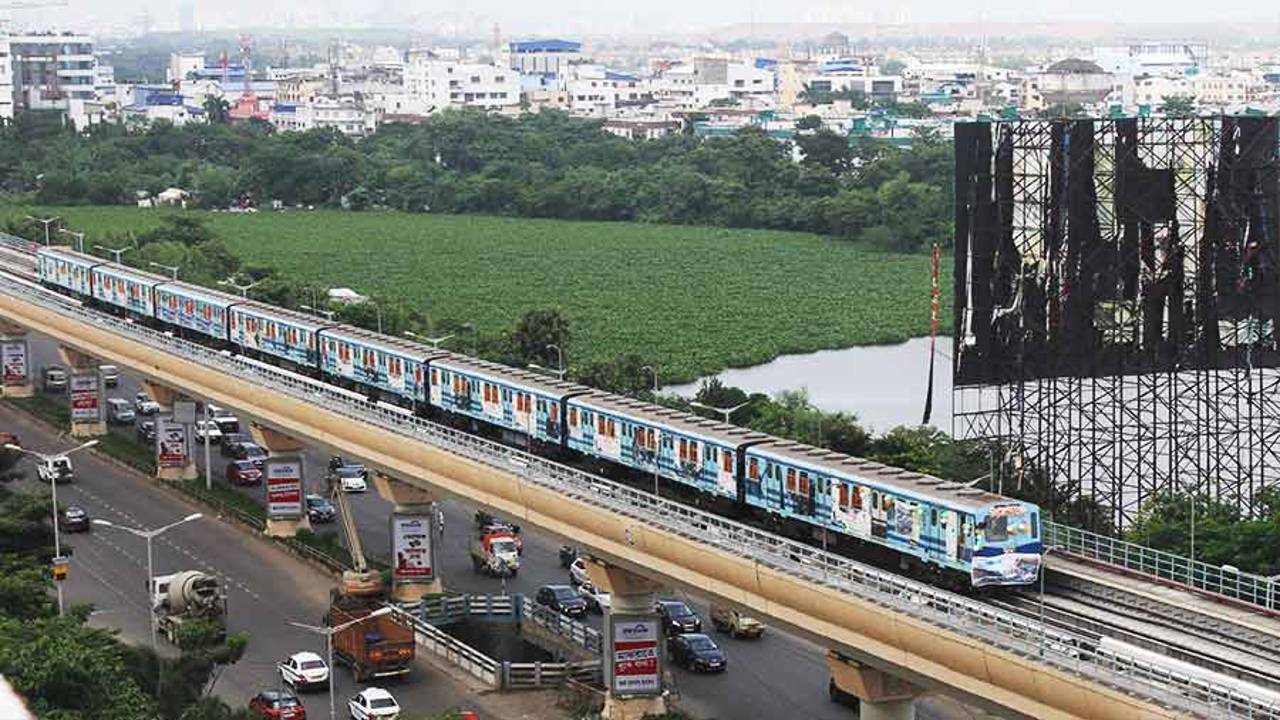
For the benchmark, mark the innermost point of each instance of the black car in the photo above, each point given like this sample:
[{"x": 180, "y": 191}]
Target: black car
[
  {"x": 677, "y": 618},
  {"x": 562, "y": 599},
  {"x": 75, "y": 519},
  {"x": 231, "y": 440},
  {"x": 320, "y": 510},
  {"x": 697, "y": 652},
  {"x": 252, "y": 452},
  {"x": 147, "y": 432}
]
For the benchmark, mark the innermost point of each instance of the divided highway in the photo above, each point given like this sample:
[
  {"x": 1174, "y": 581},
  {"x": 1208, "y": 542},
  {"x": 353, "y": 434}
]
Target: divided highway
[{"x": 778, "y": 676}]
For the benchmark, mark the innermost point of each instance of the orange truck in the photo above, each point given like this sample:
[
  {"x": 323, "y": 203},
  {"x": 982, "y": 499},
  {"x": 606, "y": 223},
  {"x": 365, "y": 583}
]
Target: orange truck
[
  {"x": 381, "y": 646},
  {"x": 494, "y": 552}
]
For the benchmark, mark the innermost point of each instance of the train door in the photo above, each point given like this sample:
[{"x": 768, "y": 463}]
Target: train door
[{"x": 951, "y": 534}]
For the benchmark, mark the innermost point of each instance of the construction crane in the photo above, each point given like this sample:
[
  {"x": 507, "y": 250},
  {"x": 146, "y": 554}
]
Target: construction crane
[{"x": 359, "y": 585}]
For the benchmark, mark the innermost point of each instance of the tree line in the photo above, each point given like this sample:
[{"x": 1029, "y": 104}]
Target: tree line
[{"x": 543, "y": 164}]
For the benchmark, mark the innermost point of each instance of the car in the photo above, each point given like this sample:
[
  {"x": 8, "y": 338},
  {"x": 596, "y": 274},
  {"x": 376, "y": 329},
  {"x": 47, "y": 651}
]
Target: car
[
  {"x": 75, "y": 519},
  {"x": 119, "y": 411},
  {"x": 55, "y": 379},
  {"x": 563, "y": 599},
  {"x": 226, "y": 420},
  {"x": 110, "y": 375},
  {"x": 597, "y": 600},
  {"x": 373, "y": 703},
  {"x": 696, "y": 652},
  {"x": 738, "y": 625},
  {"x": 677, "y": 618},
  {"x": 320, "y": 510},
  {"x": 578, "y": 572},
  {"x": 56, "y": 469},
  {"x": 243, "y": 472},
  {"x": 277, "y": 705},
  {"x": 304, "y": 670},
  {"x": 251, "y": 452},
  {"x": 209, "y": 428},
  {"x": 231, "y": 440},
  {"x": 351, "y": 478},
  {"x": 144, "y": 405},
  {"x": 147, "y": 432}
]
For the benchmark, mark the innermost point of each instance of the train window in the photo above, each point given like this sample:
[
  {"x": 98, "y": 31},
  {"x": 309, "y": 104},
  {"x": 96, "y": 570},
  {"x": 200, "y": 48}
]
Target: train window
[
  {"x": 997, "y": 528},
  {"x": 875, "y": 500},
  {"x": 726, "y": 462},
  {"x": 933, "y": 517},
  {"x": 791, "y": 480},
  {"x": 1035, "y": 526},
  {"x": 573, "y": 416},
  {"x": 842, "y": 495},
  {"x": 613, "y": 429},
  {"x": 653, "y": 444},
  {"x": 804, "y": 483},
  {"x": 600, "y": 424}
]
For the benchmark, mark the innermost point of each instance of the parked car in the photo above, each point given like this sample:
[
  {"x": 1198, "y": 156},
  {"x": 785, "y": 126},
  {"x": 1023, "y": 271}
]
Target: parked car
[
  {"x": 243, "y": 472},
  {"x": 578, "y": 572},
  {"x": 250, "y": 452},
  {"x": 210, "y": 428},
  {"x": 320, "y": 510},
  {"x": 230, "y": 441},
  {"x": 55, "y": 379},
  {"x": 727, "y": 619},
  {"x": 110, "y": 375},
  {"x": 75, "y": 519},
  {"x": 304, "y": 670},
  {"x": 677, "y": 618},
  {"x": 350, "y": 478},
  {"x": 144, "y": 405},
  {"x": 119, "y": 411},
  {"x": 147, "y": 432},
  {"x": 373, "y": 704},
  {"x": 563, "y": 599},
  {"x": 277, "y": 705},
  {"x": 697, "y": 652},
  {"x": 597, "y": 600}
]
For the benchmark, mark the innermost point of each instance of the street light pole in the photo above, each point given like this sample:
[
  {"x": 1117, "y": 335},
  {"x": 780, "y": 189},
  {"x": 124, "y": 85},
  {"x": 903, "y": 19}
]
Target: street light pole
[
  {"x": 45, "y": 222},
  {"x": 149, "y": 535},
  {"x": 171, "y": 268},
  {"x": 435, "y": 341},
  {"x": 244, "y": 289},
  {"x": 328, "y": 633},
  {"x": 560, "y": 368},
  {"x": 79, "y": 236},
  {"x": 117, "y": 252},
  {"x": 657, "y": 451},
  {"x": 328, "y": 314},
  {"x": 48, "y": 461},
  {"x": 726, "y": 412},
  {"x": 208, "y": 472}
]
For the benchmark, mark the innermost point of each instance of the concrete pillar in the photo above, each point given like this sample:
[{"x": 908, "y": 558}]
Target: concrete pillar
[
  {"x": 175, "y": 441},
  {"x": 84, "y": 394},
  {"x": 632, "y": 599},
  {"x": 15, "y": 362},
  {"x": 285, "y": 480},
  {"x": 880, "y": 696},
  {"x": 415, "y": 533}
]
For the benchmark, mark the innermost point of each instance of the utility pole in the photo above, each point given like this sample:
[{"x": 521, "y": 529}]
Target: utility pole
[
  {"x": 116, "y": 252},
  {"x": 45, "y": 222}
]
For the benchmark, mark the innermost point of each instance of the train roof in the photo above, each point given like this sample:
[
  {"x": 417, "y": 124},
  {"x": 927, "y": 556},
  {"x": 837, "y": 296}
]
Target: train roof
[
  {"x": 888, "y": 476},
  {"x": 107, "y": 266},
  {"x": 296, "y": 317},
  {"x": 201, "y": 292},
  {"x": 386, "y": 342},
  {"x": 536, "y": 381},
  {"x": 670, "y": 417},
  {"x": 67, "y": 253}
]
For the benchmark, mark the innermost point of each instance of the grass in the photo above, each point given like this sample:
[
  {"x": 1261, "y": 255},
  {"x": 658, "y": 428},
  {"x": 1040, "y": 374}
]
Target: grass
[{"x": 692, "y": 299}]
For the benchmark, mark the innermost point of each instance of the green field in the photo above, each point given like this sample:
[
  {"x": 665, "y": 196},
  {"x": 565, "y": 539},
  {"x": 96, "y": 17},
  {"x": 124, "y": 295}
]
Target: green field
[{"x": 692, "y": 299}]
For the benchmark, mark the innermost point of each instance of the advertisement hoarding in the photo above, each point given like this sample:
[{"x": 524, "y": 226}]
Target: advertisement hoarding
[
  {"x": 86, "y": 398},
  {"x": 284, "y": 488},
  {"x": 411, "y": 547},
  {"x": 13, "y": 361},
  {"x": 634, "y": 655},
  {"x": 171, "y": 444}
]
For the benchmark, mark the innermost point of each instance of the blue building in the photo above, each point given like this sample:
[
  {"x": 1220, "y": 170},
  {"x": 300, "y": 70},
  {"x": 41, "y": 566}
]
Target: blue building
[{"x": 543, "y": 57}]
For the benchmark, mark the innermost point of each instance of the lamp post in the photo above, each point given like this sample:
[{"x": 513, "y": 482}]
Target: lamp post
[
  {"x": 435, "y": 341},
  {"x": 726, "y": 412},
  {"x": 45, "y": 222},
  {"x": 328, "y": 633},
  {"x": 171, "y": 268},
  {"x": 79, "y": 236},
  {"x": 244, "y": 289},
  {"x": 48, "y": 461},
  {"x": 657, "y": 451},
  {"x": 117, "y": 252},
  {"x": 328, "y": 314},
  {"x": 149, "y": 535},
  {"x": 560, "y": 368}
]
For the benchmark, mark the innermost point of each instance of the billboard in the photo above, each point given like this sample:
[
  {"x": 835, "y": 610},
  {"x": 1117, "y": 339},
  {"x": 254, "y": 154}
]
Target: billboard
[
  {"x": 284, "y": 488},
  {"x": 86, "y": 398},
  {"x": 13, "y": 360},
  {"x": 171, "y": 444},
  {"x": 411, "y": 547},
  {"x": 634, "y": 655}
]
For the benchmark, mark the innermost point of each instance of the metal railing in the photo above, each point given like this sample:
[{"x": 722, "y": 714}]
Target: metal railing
[
  {"x": 1008, "y": 631},
  {"x": 520, "y": 676},
  {"x": 454, "y": 651},
  {"x": 1258, "y": 590},
  {"x": 577, "y": 633},
  {"x": 446, "y": 609}
]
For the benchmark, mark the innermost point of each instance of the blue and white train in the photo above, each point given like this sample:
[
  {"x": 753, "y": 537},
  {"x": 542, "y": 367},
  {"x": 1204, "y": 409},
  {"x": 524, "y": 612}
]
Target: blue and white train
[{"x": 948, "y": 531}]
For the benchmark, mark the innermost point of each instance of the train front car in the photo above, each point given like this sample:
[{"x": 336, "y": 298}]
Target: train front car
[{"x": 1007, "y": 546}]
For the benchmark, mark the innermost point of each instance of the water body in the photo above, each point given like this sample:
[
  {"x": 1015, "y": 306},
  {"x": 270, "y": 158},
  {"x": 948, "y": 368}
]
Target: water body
[{"x": 884, "y": 385}]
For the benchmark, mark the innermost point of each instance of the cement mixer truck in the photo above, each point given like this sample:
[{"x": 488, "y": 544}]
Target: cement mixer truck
[{"x": 188, "y": 595}]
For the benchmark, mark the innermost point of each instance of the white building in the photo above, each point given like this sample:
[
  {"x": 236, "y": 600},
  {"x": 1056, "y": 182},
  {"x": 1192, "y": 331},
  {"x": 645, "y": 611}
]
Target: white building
[
  {"x": 6, "y": 81},
  {"x": 1169, "y": 58},
  {"x": 51, "y": 71},
  {"x": 183, "y": 63},
  {"x": 344, "y": 114},
  {"x": 1224, "y": 90},
  {"x": 439, "y": 83},
  {"x": 542, "y": 57}
]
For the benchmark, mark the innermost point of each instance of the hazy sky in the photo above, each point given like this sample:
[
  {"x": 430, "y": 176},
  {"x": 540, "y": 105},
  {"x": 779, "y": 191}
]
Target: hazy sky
[{"x": 626, "y": 17}]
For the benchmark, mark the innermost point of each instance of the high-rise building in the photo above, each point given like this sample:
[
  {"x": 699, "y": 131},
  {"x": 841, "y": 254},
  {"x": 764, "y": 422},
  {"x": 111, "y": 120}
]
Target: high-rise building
[
  {"x": 51, "y": 71},
  {"x": 6, "y": 81}
]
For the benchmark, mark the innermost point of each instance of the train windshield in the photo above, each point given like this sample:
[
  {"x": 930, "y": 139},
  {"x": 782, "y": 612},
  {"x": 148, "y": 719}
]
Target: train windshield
[{"x": 1010, "y": 524}]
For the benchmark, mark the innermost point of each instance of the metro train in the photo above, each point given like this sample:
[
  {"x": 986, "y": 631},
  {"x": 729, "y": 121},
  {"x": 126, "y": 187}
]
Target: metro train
[{"x": 946, "y": 532}]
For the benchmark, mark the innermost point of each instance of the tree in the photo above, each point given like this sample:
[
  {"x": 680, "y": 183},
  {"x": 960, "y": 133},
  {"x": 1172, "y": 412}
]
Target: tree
[
  {"x": 827, "y": 149},
  {"x": 537, "y": 330},
  {"x": 624, "y": 375},
  {"x": 1178, "y": 105},
  {"x": 809, "y": 122},
  {"x": 217, "y": 110}
]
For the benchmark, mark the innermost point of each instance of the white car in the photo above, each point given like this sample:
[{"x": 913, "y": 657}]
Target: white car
[
  {"x": 597, "y": 600},
  {"x": 351, "y": 478},
  {"x": 304, "y": 670},
  {"x": 210, "y": 428},
  {"x": 373, "y": 703},
  {"x": 578, "y": 572},
  {"x": 144, "y": 405}
]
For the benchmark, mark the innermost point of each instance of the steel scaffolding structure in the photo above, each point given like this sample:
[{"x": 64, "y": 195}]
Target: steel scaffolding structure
[{"x": 1117, "y": 291}]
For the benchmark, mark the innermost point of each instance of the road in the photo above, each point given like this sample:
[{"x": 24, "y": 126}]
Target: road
[{"x": 778, "y": 676}]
